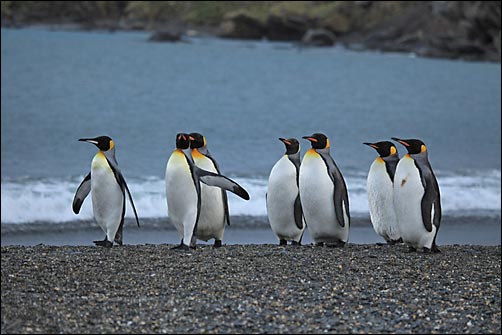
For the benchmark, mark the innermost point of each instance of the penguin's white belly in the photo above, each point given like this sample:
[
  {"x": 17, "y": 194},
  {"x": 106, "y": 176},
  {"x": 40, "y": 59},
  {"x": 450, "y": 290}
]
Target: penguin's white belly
[
  {"x": 381, "y": 201},
  {"x": 212, "y": 212},
  {"x": 181, "y": 196},
  {"x": 408, "y": 194},
  {"x": 316, "y": 194},
  {"x": 107, "y": 197},
  {"x": 281, "y": 195}
]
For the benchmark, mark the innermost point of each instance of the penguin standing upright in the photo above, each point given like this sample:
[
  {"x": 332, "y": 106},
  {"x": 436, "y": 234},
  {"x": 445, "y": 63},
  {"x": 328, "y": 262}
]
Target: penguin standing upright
[
  {"x": 417, "y": 200},
  {"x": 283, "y": 198},
  {"x": 183, "y": 190},
  {"x": 108, "y": 186},
  {"x": 380, "y": 188},
  {"x": 323, "y": 194},
  {"x": 214, "y": 201}
]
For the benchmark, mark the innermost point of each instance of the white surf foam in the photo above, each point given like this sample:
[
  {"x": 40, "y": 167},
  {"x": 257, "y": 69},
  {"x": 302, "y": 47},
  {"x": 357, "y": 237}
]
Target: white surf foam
[{"x": 50, "y": 200}]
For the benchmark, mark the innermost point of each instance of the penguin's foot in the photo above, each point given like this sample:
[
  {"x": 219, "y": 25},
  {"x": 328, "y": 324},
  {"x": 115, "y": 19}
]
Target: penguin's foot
[
  {"x": 392, "y": 242},
  {"x": 119, "y": 242},
  {"x": 182, "y": 247},
  {"x": 105, "y": 243},
  {"x": 319, "y": 244},
  {"x": 217, "y": 244},
  {"x": 380, "y": 244},
  {"x": 411, "y": 249},
  {"x": 283, "y": 242},
  {"x": 337, "y": 244},
  {"x": 434, "y": 249},
  {"x": 298, "y": 244}
]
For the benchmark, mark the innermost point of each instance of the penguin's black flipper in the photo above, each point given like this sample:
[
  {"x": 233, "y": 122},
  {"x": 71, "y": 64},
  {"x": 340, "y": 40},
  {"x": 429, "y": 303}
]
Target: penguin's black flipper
[
  {"x": 298, "y": 212},
  {"x": 224, "y": 195},
  {"x": 213, "y": 179},
  {"x": 82, "y": 191},
  {"x": 431, "y": 204},
  {"x": 130, "y": 199},
  {"x": 340, "y": 197},
  {"x": 121, "y": 181}
]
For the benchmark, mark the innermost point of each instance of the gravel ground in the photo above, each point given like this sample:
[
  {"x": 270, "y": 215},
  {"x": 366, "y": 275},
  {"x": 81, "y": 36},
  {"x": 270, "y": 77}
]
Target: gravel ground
[{"x": 250, "y": 289}]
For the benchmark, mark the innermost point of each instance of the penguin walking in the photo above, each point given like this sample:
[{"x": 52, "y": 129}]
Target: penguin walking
[
  {"x": 283, "y": 198},
  {"x": 323, "y": 195},
  {"x": 417, "y": 200},
  {"x": 108, "y": 187},
  {"x": 214, "y": 201},
  {"x": 380, "y": 188},
  {"x": 183, "y": 190}
]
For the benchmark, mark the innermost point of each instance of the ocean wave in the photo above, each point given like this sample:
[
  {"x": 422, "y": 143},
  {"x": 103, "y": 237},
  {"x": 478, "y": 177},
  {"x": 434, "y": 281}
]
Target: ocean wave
[{"x": 50, "y": 200}]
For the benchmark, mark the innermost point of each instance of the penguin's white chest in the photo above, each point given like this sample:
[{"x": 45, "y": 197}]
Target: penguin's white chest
[
  {"x": 107, "y": 196},
  {"x": 281, "y": 196},
  {"x": 316, "y": 195},
  {"x": 212, "y": 212},
  {"x": 380, "y": 190},
  {"x": 408, "y": 194},
  {"x": 181, "y": 193}
]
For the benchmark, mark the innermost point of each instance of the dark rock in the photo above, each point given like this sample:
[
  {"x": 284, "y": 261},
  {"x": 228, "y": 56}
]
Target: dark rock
[
  {"x": 318, "y": 38},
  {"x": 165, "y": 36},
  {"x": 241, "y": 25},
  {"x": 286, "y": 28}
]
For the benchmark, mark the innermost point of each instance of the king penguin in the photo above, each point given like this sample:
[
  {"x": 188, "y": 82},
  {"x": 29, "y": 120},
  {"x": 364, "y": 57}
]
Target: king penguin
[
  {"x": 380, "y": 188},
  {"x": 416, "y": 197},
  {"x": 183, "y": 190},
  {"x": 323, "y": 194},
  {"x": 283, "y": 197},
  {"x": 108, "y": 186},
  {"x": 214, "y": 201}
]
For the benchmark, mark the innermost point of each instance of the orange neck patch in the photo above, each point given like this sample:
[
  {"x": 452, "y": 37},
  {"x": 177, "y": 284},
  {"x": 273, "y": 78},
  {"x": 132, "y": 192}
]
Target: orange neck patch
[{"x": 196, "y": 154}]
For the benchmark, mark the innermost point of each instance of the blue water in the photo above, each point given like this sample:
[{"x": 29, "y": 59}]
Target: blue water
[{"x": 58, "y": 86}]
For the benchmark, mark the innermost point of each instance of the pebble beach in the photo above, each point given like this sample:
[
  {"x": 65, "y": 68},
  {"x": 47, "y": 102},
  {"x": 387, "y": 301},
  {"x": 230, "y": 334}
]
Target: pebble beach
[{"x": 361, "y": 288}]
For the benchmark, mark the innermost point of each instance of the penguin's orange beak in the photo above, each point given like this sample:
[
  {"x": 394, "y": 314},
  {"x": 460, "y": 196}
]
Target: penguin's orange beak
[
  {"x": 285, "y": 141},
  {"x": 371, "y": 145},
  {"x": 406, "y": 144},
  {"x": 311, "y": 139}
]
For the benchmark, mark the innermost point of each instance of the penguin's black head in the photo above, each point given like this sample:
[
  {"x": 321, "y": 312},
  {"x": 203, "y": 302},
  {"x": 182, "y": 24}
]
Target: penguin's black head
[
  {"x": 197, "y": 140},
  {"x": 104, "y": 143},
  {"x": 413, "y": 146},
  {"x": 318, "y": 141},
  {"x": 182, "y": 141},
  {"x": 292, "y": 145},
  {"x": 384, "y": 148}
]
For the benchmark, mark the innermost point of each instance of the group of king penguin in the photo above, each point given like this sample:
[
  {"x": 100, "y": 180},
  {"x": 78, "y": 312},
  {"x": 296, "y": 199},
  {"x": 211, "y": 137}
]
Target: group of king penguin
[{"x": 403, "y": 194}]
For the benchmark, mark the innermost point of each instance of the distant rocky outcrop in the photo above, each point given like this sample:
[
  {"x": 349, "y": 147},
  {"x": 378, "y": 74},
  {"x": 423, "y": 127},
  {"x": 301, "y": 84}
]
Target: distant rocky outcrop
[
  {"x": 241, "y": 25},
  {"x": 165, "y": 36},
  {"x": 452, "y": 29},
  {"x": 318, "y": 38}
]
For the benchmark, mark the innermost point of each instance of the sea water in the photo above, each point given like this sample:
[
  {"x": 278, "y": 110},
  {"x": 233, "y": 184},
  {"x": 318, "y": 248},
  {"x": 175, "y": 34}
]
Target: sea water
[{"x": 59, "y": 86}]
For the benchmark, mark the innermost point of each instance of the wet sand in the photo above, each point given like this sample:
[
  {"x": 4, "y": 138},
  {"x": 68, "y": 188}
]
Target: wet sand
[
  {"x": 244, "y": 230},
  {"x": 250, "y": 289}
]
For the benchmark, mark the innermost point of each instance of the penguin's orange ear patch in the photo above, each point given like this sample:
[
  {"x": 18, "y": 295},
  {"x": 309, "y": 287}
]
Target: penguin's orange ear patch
[
  {"x": 423, "y": 148},
  {"x": 393, "y": 150}
]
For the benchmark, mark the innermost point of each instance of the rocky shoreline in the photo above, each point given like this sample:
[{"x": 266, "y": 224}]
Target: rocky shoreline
[
  {"x": 250, "y": 289},
  {"x": 469, "y": 30}
]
